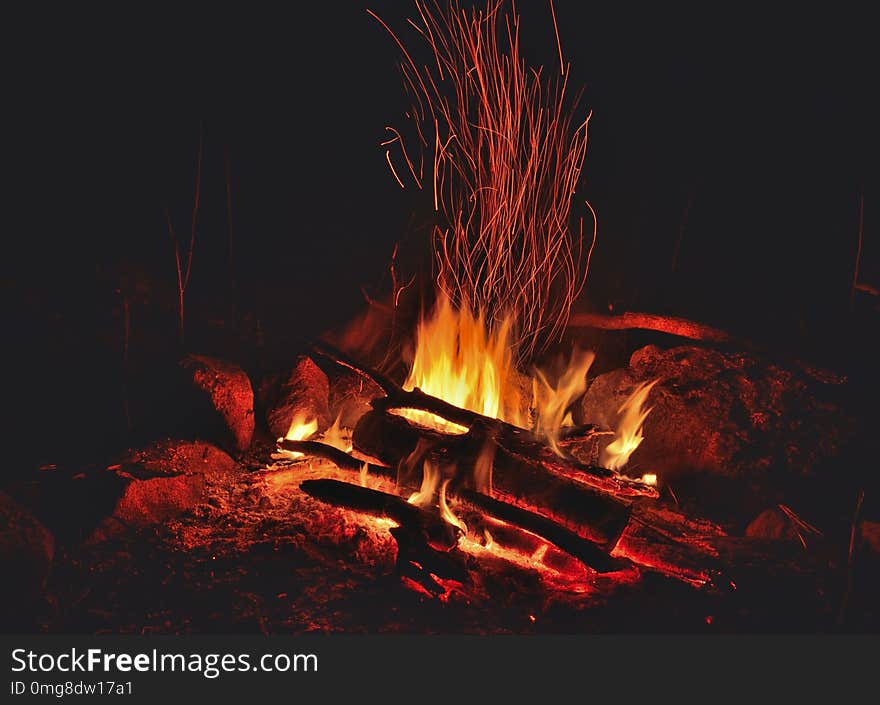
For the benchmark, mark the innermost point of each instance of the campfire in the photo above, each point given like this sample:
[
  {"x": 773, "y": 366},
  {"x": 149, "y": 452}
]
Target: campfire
[
  {"x": 470, "y": 455},
  {"x": 480, "y": 449}
]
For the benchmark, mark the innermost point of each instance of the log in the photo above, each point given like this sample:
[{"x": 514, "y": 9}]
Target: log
[
  {"x": 592, "y": 515},
  {"x": 588, "y": 552},
  {"x": 424, "y": 540},
  {"x": 681, "y": 327},
  {"x": 657, "y": 539},
  {"x": 438, "y": 533},
  {"x": 517, "y": 442}
]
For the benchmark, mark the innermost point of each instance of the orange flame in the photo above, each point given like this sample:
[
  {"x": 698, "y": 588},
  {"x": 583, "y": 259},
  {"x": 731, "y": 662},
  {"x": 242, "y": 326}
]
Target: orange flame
[
  {"x": 460, "y": 361},
  {"x": 628, "y": 435}
]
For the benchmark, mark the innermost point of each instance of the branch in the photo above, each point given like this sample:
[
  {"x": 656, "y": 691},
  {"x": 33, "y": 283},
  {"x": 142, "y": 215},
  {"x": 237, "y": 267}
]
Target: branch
[{"x": 650, "y": 321}]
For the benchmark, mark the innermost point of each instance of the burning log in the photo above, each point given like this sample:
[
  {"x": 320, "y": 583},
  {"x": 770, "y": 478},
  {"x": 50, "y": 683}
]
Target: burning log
[
  {"x": 587, "y": 551},
  {"x": 516, "y": 442},
  {"x": 590, "y": 514},
  {"x": 436, "y": 532}
]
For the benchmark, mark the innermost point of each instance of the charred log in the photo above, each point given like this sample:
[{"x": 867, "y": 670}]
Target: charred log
[
  {"x": 590, "y": 514},
  {"x": 585, "y": 550},
  {"x": 514, "y": 441},
  {"x": 435, "y": 531}
]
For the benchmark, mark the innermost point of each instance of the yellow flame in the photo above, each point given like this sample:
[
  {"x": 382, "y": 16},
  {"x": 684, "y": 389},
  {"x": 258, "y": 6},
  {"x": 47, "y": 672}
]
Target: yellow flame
[
  {"x": 447, "y": 513},
  {"x": 490, "y": 542},
  {"x": 458, "y": 359},
  {"x": 363, "y": 474},
  {"x": 649, "y": 478},
  {"x": 334, "y": 436},
  {"x": 552, "y": 401},
  {"x": 300, "y": 430},
  {"x": 430, "y": 479},
  {"x": 628, "y": 435}
]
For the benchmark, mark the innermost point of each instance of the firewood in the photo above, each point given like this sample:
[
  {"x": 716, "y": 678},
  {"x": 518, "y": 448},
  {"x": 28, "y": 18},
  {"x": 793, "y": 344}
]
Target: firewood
[
  {"x": 590, "y": 553},
  {"x": 436, "y": 532},
  {"x": 515, "y": 441},
  {"x": 593, "y": 515}
]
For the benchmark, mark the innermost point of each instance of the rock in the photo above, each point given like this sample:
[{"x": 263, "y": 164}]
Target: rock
[
  {"x": 726, "y": 413},
  {"x": 27, "y": 549},
  {"x": 164, "y": 481},
  {"x": 772, "y": 524},
  {"x": 870, "y": 533},
  {"x": 305, "y": 390},
  {"x": 224, "y": 397}
]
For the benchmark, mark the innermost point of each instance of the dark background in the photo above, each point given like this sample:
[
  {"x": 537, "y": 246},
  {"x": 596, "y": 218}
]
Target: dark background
[{"x": 737, "y": 139}]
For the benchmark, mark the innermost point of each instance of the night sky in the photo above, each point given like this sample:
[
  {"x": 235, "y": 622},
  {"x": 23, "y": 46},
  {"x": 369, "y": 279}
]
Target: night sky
[{"x": 761, "y": 120}]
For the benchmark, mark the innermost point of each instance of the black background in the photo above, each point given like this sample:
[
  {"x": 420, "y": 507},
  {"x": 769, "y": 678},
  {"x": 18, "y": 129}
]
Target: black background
[{"x": 761, "y": 119}]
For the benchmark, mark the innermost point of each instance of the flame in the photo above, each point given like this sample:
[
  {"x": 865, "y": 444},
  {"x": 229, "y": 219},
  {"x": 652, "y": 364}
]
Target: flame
[
  {"x": 649, "y": 478},
  {"x": 335, "y": 437},
  {"x": 363, "y": 474},
  {"x": 483, "y": 468},
  {"x": 425, "y": 496},
  {"x": 490, "y": 542},
  {"x": 447, "y": 513},
  {"x": 458, "y": 359},
  {"x": 552, "y": 401},
  {"x": 430, "y": 479},
  {"x": 628, "y": 435},
  {"x": 300, "y": 430}
]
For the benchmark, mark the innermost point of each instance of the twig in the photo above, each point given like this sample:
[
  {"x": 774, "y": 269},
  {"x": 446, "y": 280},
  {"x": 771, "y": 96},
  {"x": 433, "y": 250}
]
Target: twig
[
  {"x": 855, "y": 281},
  {"x": 231, "y": 240},
  {"x": 183, "y": 273},
  {"x": 850, "y": 562},
  {"x": 799, "y": 524}
]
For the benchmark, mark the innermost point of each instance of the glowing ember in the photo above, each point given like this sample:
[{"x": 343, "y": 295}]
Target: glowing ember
[
  {"x": 628, "y": 434},
  {"x": 552, "y": 401},
  {"x": 489, "y": 540},
  {"x": 460, "y": 361},
  {"x": 649, "y": 478}
]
